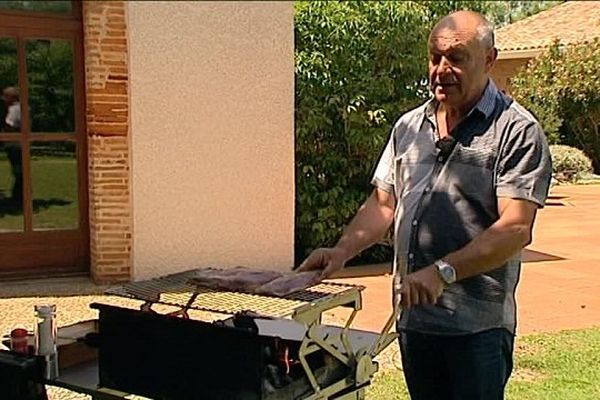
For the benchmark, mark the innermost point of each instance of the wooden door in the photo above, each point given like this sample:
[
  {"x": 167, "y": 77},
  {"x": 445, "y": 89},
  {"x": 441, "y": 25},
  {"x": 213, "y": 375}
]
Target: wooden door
[{"x": 43, "y": 182}]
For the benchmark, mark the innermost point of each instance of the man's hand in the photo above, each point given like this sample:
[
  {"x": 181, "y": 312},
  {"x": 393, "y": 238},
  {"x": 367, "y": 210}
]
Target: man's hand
[
  {"x": 421, "y": 287},
  {"x": 370, "y": 223},
  {"x": 329, "y": 260}
]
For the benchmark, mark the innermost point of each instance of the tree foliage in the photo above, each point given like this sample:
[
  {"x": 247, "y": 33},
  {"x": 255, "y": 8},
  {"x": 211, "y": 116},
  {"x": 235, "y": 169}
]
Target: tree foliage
[
  {"x": 53, "y": 6},
  {"x": 502, "y": 13},
  {"x": 49, "y": 83},
  {"x": 359, "y": 65},
  {"x": 562, "y": 87}
]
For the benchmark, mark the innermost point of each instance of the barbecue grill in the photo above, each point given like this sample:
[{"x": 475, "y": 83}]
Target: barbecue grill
[
  {"x": 177, "y": 290},
  {"x": 262, "y": 347}
]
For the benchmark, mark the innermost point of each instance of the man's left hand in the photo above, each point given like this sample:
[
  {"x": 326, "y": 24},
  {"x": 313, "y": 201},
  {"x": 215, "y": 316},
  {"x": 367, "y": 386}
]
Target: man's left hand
[{"x": 421, "y": 287}]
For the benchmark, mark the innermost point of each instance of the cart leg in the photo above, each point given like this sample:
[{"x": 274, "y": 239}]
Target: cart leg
[
  {"x": 357, "y": 395},
  {"x": 108, "y": 396}
]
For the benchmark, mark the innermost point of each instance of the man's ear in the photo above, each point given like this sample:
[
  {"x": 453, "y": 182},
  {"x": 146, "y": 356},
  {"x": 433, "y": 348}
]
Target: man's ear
[{"x": 490, "y": 58}]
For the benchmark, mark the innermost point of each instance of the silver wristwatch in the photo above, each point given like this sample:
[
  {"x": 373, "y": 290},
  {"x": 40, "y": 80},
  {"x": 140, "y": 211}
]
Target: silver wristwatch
[{"x": 446, "y": 271}]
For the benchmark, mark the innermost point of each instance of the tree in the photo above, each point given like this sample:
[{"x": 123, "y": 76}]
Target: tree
[
  {"x": 502, "y": 13},
  {"x": 359, "y": 65},
  {"x": 562, "y": 87}
]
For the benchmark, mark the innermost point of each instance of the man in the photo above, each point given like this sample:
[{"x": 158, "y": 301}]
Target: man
[
  {"x": 12, "y": 124},
  {"x": 462, "y": 177},
  {"x": 12, "y": 120}
]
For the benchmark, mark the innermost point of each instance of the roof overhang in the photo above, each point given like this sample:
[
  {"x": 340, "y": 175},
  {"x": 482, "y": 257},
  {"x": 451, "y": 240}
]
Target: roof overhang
[{"x": 513, "y": 54}]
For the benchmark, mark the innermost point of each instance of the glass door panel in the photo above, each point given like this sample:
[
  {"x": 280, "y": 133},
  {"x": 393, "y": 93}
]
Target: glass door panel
[
  {"x": 10, "y": 112},
  {"x": 11, "y": 168},
  {"x": 50, "y": 84},
  {"x": 53, "y": 6},
  {"x": 11, "y": 187},
  {"x": 54, "y": 185}
]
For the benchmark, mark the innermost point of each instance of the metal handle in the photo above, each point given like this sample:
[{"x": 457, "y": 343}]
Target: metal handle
[{"x": 385, "y": 338}]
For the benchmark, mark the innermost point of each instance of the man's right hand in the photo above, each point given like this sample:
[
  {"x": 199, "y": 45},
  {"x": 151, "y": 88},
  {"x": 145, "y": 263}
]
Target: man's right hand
[
  {"x": 329, "y": 260},
  {"x": 370, "y": 223}
]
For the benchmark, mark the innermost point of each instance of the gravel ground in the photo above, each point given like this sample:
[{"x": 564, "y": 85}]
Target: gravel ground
[{"x": 73, "y": 296}]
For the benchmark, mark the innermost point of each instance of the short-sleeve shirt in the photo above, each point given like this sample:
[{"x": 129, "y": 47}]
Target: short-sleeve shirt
[
  {"x": 447, "y": 196},
  {"x": 13, "y": 116}
]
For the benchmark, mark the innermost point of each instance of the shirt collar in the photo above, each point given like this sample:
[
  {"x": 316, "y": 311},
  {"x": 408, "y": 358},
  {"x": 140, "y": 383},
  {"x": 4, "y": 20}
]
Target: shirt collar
[{"x": 485, "y": 105}]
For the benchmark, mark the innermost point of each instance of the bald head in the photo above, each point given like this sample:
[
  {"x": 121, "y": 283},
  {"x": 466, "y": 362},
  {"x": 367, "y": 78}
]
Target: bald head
[
  {"x": 10, "y": 94},
  {"x": 470, "y": 23}
]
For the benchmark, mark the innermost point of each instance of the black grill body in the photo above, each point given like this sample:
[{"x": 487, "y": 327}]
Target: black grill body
[
  {"x": 21, "y": 377},
  {"x": 166, "y": 357}
]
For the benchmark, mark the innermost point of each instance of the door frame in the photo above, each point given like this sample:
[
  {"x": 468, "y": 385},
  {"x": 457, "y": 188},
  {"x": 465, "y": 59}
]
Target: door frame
[{"x": 60, "y": 252}]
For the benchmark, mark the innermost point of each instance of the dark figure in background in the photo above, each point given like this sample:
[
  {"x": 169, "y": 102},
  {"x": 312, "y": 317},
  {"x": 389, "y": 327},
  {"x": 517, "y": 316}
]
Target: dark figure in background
[
  {"x": 11, "y": 123},
  {"x": 461, "y": 178}
]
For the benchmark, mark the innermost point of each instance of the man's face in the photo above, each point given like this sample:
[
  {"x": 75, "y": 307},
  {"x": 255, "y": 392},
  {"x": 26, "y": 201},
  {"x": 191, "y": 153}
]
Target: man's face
[
  {"x": 7, "y": 98},
  {"x": 458, "y": 66}
]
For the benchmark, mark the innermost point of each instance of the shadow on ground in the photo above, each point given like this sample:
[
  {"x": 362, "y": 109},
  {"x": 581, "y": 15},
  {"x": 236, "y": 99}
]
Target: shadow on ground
[
  {"x": 10, "y": 206},
  {"x": 50, "y": 287}
]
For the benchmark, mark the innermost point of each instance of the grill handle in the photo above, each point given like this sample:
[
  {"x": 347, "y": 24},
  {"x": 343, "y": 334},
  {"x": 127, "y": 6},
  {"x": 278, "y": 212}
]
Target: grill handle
[{"x": 385, "y": 338}]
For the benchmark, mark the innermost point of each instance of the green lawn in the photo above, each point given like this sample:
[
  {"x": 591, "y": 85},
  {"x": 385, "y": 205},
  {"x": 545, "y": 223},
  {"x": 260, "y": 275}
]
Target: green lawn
[
  {"x": 563, "y": 365},
  {"x": 54, "y": 186}
]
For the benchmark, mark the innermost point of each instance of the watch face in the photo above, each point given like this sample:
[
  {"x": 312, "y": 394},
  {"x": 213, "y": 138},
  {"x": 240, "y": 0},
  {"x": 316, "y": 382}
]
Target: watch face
[{"x": 447, "y": 272}]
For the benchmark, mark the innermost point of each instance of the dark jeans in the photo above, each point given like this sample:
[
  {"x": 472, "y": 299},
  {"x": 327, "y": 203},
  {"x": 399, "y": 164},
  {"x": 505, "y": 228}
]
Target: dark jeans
[
  {"x": 13, "y": 154},
  {"x": 468, "y": 367}
]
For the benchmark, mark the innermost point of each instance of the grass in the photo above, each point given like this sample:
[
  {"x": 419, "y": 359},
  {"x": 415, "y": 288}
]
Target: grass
[
  {"x": 54, "y": 186},
  {"x": 563, "y": 365},
  {"x": 388, "y": 385}
]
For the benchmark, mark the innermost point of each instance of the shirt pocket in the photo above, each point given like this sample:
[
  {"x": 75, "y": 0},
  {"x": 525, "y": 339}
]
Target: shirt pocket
[{"x": 472, "y": 169}]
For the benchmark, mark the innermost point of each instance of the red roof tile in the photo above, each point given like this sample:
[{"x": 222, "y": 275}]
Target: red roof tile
[{"x": 570, "y": 22}]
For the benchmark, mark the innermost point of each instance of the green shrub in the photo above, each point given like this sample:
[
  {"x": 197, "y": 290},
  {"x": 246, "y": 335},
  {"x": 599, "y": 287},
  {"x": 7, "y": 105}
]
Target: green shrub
[
  {"x": 569, "y": 162},
  {"x": 532, "y": 88},
  {"x": 356, "y": 70},
  {"x": 562, "y": 88}
]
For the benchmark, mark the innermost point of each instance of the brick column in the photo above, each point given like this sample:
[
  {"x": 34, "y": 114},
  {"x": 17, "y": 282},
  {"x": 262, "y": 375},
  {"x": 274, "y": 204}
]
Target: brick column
[{"x": 109, "y": 172}]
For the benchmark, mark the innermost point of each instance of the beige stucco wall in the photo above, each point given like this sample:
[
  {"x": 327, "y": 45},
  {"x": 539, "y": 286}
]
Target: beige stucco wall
[
  {"x": 505, "y": 69},
  {"x": 212, "y": 101}
]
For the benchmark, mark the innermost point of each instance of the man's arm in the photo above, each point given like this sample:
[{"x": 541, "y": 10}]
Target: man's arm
[
  {"x": 370, "y": 224},
  {"x": 487, "y": 251},
  {"x": 495, "y": 245}
]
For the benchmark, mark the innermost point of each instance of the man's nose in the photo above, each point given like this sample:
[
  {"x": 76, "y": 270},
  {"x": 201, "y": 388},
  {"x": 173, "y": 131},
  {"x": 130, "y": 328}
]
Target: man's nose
[{"x": 443, "y": 66}]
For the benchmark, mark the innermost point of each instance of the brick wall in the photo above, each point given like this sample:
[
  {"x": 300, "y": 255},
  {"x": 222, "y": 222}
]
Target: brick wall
[{"x": 107, "y": 100}]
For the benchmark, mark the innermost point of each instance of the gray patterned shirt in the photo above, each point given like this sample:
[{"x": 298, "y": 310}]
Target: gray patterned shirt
[{"x": 445, "y": 200}]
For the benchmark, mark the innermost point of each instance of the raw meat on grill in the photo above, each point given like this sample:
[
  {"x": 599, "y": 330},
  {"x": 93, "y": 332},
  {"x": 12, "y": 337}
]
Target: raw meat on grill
[
  {"x": 255, "y": 281},
  {"x": 238, "y": 279},
  {"x": 289, "y": 283}
]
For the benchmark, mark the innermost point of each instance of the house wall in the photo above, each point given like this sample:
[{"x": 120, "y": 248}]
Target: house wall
[
  {"x": 505, "y": 69},
  {"x": 212, "y": 135}
]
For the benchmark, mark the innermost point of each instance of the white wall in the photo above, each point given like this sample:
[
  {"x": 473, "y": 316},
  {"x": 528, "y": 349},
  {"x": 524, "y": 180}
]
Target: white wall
[{"x": 212, "y": 102}]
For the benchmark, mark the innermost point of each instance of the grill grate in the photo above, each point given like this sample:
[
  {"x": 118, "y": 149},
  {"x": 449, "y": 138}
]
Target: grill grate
[{"x": 174, "y": 290}]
